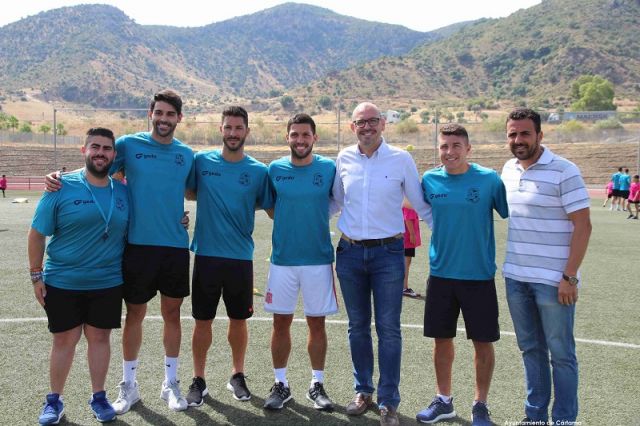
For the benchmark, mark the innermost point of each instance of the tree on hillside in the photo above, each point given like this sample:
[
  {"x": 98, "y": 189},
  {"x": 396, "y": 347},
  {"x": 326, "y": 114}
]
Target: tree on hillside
[
  {"x": 592, "y": 93},
  {"x": 44, "y": 129},
  {"x": 325, "y": 102},
  {"x": 12, "y": 122},
  {"x": 287, "y": 102},
  {"x": 60, "y": 130}
]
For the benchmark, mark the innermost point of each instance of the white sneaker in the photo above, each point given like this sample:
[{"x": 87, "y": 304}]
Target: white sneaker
[
  {"x": 127, "y": 397},
  {"x": 171, "y": 393}
]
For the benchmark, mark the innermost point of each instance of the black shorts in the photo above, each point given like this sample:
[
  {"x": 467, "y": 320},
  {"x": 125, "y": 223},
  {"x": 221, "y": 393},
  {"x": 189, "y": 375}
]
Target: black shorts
[
  {"x": 624, "y": 194},
  {"x": 410, "y": 252},
  {"x": 633, "y": 202},
  {"x": 616, "y": 193},
  {"x": 67, "y": 309},
  {"x": 477, "y": 300},
  {"x": 149, "y": 269},
  {"x": 218, "y": 276}
]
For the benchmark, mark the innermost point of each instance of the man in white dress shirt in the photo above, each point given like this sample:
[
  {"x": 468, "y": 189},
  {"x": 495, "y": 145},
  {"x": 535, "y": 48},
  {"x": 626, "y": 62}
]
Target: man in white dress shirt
[{"x": 372, "y": 178}]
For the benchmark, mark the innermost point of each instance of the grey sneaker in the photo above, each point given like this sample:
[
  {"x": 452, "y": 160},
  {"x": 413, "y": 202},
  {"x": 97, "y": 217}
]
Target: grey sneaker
[
  {"x": 170, "y": 392},
  {"x": 481, "y": 415},
  {"x": 436, "y": 411},
  {"x": 319, "y": 397},
  {"x": 279, "y": 395},
  {"x": 409, "y": 292},
  {"x": 197, "y": 391},
  {"x": 128, "y": 395},
  {"x": 238, "y": 385}
]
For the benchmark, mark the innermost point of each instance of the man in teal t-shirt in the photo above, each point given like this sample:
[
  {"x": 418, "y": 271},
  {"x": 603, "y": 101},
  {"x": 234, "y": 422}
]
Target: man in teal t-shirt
[
  {"x": 230, "y": 186},
  {"x": 301, "y": 258},
  {"x": 158, "y": 169},
  {"x": 81, "y": 285},
  {"x": 462, "y": 266}
]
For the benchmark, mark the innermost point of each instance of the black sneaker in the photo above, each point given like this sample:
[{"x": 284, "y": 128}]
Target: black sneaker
[
  {"x": 279, "y": 395},
  {"x": 238, "y": 386},
  {"x": 197, "y": 391},
  {"x": 319, "y": 397}
]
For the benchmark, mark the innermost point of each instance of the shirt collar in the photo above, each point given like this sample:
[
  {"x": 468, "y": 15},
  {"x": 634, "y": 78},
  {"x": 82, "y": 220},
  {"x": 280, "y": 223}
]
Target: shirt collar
[{"x": 382, "y": 149}]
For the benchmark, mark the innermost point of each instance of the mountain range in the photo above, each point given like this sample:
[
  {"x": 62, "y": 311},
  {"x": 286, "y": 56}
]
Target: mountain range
[{"x": 96, "y": 55}]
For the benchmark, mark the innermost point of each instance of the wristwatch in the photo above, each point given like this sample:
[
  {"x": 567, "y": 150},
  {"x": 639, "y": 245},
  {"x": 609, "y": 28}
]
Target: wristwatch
[{"x": 573, "y": 280}]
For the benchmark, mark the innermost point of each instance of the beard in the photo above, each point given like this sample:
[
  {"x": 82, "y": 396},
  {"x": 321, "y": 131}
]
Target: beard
[
  {"x": 226, "y": 141},
  {"x": 166, "y": 133},
  {"x": 99, "y": 172},
  {"x": 305, "y": 153},
  {"x": 530, "y": 151}
]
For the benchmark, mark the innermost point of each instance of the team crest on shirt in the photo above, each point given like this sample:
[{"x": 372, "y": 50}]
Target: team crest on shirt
[
  {"x": 473, "y": 195},
  {"x": 120, "y": 204},
  {"x": 179, "y": 159},
  {"x": 244, "y": 179},
  {"x": 317, "y": 179}
]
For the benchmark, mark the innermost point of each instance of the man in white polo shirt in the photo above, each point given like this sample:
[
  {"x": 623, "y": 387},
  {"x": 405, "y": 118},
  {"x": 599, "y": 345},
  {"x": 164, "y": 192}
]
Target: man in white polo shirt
[
  {"x": 371, "y": 181},
  {"x": 549, "y": 230}
]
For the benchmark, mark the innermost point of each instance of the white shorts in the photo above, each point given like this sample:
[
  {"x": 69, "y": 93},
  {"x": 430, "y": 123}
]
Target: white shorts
[{"x": 315, "y": 281}]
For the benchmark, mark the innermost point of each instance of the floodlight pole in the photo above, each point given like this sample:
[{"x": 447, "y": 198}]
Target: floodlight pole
[
  {"x": 55, "y": 141},
  {"x": 435, "y": 142}
]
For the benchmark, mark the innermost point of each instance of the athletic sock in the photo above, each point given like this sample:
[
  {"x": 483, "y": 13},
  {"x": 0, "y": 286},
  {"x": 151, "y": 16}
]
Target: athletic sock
[
  {"x": 317, "y": 376},
  {"x": 129, "y": 370},
  {"x": 444, "y": 398},
  {"x": 170, "y": 369},
  {"x": 281, "y": 375}
]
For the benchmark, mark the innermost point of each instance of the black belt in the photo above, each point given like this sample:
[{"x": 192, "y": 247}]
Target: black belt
[{"x": 372, "y": 243}]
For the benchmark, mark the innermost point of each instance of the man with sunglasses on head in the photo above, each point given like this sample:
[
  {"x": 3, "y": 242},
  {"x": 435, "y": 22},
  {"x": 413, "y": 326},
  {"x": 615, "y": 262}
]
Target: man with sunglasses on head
[
  {"x": 372, "y": 178},
  {"x": 80, "y": 288}
]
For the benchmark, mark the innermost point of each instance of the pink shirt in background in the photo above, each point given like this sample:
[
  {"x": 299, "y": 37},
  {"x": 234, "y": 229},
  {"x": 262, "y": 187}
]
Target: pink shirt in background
[
  {"x": 411, "y": 216},
  {"x": 609, "y": 188},
  {"x": 634, "y": 192}
]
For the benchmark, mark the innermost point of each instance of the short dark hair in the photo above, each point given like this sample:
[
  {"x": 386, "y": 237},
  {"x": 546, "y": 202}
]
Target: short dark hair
[
  {"x": 619, "y": 169},
  {"x": 302, "y": 118},
  {"x": 524, "y": 114},
  {"x": 100, "y": 131},
  {"x": 626, "y": 171},
  {"x": 168, "y": 96},
  {"x": 454, "y": 129},
  {"x": 634, "y": 176},
  {"x": 236, "y": 111}
]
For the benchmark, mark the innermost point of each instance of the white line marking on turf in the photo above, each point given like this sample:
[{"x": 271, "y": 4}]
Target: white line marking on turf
[{"x": 339, "y": 322}]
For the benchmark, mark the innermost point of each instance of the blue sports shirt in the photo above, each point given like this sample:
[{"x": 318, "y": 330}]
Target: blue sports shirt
[
  {"x": 228, "y": 195},
  {"x": 78, "y": 257},
  {"x": 462, "y": 240},
  {"x": 301, "y": 233},
  {"x": 157, "y": 176}
]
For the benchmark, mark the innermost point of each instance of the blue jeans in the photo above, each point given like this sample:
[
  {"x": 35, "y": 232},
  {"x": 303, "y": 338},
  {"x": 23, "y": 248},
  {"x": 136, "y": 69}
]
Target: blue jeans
[
  {"x": 544, "y": 326},
  {"x": 379, "y": 271}
]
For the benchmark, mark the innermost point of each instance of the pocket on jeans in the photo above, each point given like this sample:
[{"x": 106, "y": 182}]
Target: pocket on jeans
[
  {"x": 396, "y": 247},
  {"x": 342, "y": 246}
]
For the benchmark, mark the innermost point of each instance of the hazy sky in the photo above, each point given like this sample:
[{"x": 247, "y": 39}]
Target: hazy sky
[{"x": 420, "y": 15}]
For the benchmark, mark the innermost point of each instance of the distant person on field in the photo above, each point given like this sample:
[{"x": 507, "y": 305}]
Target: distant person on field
[
  {"x": 634, "y": 196},
  {"x": 462, "y": 266},
  {"x": 608, "y": 192},
  {"x": 301, "y": 259},
  {"x": 549, "y": 230},
  {"x": 3, "y": 185},
  {"x": 625, "y": 183},
  {"x": 230, "y": 187},
  {"x": 159, "y": 168},
  {"x": 81, "y": 285},
  {"x": 412, "y": 240},
  {"x": 616, "y": 200}
]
